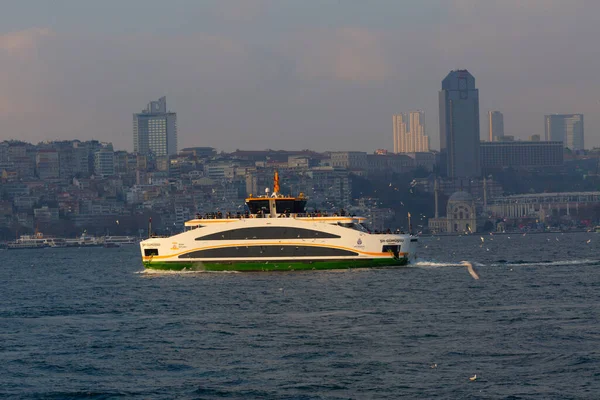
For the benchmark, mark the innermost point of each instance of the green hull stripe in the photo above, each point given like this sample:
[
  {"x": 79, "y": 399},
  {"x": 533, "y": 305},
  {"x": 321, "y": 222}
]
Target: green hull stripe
[{"x": 292, "y": 265}]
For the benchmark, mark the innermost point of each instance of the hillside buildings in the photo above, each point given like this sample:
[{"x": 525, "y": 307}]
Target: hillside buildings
[
  {"x": 459, "y": 126},
  {"x": 155, "y": 130}
]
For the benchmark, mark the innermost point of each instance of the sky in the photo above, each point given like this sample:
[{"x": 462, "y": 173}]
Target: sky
[{"x": 290, "y": 74}]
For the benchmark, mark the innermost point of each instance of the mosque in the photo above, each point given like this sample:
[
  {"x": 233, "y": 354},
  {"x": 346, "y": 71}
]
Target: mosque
[{"x": 461, "y": 214}]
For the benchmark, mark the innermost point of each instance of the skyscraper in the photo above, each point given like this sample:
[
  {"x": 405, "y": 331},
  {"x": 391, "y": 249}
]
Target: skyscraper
[
  {"x": 459, "y": 126},
  {"x": 155, "y": 130},
  {"x": 567, "y": 128},
  {"x": 409, "y": 133},
  {"x": 495, "y": 125}
]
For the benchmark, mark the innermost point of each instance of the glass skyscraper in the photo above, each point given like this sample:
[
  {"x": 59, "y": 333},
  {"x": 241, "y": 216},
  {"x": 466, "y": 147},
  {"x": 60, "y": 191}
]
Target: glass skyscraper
[
  {"x": 495, "y": 125},
  {"x": 459, "y": 126},
  {"x": 155, "y": 130},
  {"x": 566, "y": 128}
]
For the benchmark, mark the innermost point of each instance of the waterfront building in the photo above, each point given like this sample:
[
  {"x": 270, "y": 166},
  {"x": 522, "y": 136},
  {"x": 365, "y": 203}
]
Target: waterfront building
[
  {"x": 459, "y": 126},
  {"x": 409, "y": 133},
  {"x": 517, "y": 154},
  {"x": 567, "y": 128},
  {"x": 155, "y": 130},
  {"x": 541, "y": 206},
  {"x": 495, "y": 125}
]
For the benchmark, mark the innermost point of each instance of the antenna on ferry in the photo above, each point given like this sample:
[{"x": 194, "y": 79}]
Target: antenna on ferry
[{"x": 276, "y": 183}]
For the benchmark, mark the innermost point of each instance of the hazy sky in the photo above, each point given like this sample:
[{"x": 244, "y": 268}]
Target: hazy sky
[{"x": 258, "y": 74}]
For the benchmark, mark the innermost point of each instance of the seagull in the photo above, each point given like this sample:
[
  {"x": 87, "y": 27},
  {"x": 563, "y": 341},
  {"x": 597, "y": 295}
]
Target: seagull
[
  {"x": 470, "y": 269},
  {"x": 434, "y": 366},
  {"x": 482, "y": 239},
  {"x": 589, "y": 240},
  {"x": 473, "y": 378}
]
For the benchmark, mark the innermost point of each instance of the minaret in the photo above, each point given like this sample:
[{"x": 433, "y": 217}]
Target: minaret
[
  {"x": 484, "y": 193},
  {"x": 435, "y": 191}
]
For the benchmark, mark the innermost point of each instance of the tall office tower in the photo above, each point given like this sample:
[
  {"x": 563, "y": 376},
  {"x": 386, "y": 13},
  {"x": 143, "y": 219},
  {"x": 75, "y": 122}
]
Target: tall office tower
[
  {"x": 567, "y": 128},
  {"x": 399, "y": 132},
  {"x": 459, "y": 126},
  {"x": 409, "y": 133},
  {"x": 495, "y": 125},
  {"x": 155, "y": 130}
]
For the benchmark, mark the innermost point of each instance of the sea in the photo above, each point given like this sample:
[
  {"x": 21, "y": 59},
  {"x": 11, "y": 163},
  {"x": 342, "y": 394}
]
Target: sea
[{"x": 79, "y": 323}]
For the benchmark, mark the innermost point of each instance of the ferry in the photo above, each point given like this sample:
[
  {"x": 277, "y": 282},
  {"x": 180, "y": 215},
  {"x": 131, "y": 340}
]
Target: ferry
[
  {"x": 277, "y": 234},
  {"x": 120, "y": 240},
  {"x": 36, "y": 241}
]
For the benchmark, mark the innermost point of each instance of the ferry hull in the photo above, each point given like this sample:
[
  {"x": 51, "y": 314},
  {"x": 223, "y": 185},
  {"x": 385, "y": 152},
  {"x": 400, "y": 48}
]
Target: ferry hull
[{"x": 284, "y": 265}]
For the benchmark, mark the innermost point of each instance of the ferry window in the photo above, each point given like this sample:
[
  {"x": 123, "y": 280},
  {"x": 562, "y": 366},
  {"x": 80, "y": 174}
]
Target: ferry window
[
  {"x": 269, "y": 232},
  {"x": 150, "y": 252},
  {"x": 351, "y": 225},
  {"x": 272, "y": 251}
]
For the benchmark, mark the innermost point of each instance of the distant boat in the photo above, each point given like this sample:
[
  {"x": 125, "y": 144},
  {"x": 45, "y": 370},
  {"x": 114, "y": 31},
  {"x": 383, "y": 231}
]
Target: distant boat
[
  {"x": 36, "y": 241},
  {"x": 83, "y": 241},
  {"x": 120, "y": 240}
]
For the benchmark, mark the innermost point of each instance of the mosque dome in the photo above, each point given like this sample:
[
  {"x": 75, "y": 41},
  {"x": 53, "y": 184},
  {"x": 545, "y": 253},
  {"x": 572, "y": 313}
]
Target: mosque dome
[{"x": 461, "y": 196}]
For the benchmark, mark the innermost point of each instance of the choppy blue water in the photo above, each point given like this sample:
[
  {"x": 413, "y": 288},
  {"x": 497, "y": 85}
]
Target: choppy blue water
[{"x": 87, "y": 324}]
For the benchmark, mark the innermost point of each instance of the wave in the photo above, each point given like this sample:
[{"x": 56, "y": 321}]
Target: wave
[
  {"x": 504, "y": 263},
  {"x": 439, "y": 264},
  {"x": 544, "y": 263},
  {"x": 182, "y": 272}
]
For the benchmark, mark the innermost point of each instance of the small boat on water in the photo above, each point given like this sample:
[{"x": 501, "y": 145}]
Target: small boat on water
[
  {"x": 120, "y": 240},
  {"x": 277, "y": 234},
  {"x": 84, "y": 240},
  {"x": 35, "y": 241}
]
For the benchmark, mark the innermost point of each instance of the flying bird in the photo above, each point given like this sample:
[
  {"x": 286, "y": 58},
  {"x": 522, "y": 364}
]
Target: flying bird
[
  {"x": 470, "y": 269},
  {"x": 474, "y": 377}
]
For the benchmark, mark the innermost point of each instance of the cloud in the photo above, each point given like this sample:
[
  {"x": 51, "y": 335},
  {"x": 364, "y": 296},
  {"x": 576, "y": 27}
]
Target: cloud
[
  {"x": 23, "y": 41},
  {"x": 345, "y": 54}
]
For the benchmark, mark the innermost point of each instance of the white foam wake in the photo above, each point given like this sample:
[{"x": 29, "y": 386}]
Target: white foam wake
[
  {"x": 546, "y": 263},
  {"x": 183, "y": 272},
  {"x": 439, "y": 264}
]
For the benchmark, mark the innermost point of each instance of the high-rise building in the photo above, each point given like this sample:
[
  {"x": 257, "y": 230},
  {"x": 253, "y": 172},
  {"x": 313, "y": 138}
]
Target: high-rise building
[
  {"x": 495, "y": 125},
  {"x": 459, "y": 126},
  {"x": 155, "y": 130},
  {"x": 409, "y": 133},
  {"x": 104, "y": 162},
  {"x": 567, "y": 128}
]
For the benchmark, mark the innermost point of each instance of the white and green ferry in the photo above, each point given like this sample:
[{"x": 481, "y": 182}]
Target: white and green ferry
[{"x": 276, "y": 234}]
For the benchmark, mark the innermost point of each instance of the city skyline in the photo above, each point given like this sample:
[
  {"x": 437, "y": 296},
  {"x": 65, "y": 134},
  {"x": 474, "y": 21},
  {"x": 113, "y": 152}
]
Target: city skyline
[{"x": 259, "y": 74}]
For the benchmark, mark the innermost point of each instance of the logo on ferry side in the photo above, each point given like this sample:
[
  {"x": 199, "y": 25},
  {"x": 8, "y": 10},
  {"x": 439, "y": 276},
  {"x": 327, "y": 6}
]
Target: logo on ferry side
[{"x": 359, "y": 242}]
